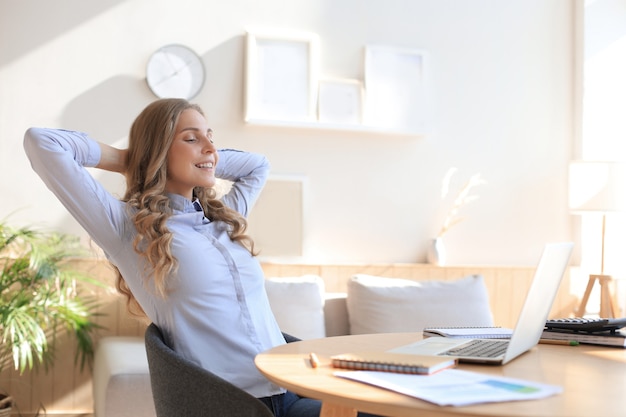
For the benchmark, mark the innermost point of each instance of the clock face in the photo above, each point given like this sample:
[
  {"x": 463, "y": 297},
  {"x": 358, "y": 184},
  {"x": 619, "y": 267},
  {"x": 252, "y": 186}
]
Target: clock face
[{"x": 175, "y": 71}]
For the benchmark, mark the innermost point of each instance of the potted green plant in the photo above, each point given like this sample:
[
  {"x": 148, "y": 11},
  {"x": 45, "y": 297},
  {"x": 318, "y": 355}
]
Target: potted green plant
[{"x": 39, "y": 297}]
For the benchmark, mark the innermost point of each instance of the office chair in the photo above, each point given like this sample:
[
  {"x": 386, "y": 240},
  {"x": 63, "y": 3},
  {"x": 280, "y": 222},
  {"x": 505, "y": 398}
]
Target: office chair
[{"x": 182, "y": 388}]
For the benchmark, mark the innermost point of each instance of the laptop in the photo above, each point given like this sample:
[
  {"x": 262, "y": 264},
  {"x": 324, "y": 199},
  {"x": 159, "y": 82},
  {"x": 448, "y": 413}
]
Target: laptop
[{"x": 530, "y": 323}]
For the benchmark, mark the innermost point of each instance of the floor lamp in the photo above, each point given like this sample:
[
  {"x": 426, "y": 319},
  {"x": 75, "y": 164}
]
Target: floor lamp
[{"x": 598, "y": 187}]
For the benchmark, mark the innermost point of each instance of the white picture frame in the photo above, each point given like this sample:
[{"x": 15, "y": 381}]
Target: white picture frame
[
  {"x": 281, "y": 75},
  {"x": 340, "y": 101},
  {"x": 396, "y": 87}
]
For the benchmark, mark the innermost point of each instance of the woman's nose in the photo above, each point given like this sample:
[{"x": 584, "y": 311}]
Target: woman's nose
[{"x": 209, "y": 147}]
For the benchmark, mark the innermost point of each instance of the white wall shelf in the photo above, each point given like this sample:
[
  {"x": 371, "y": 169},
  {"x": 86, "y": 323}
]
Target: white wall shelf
[{"x": 332, "y": 127}]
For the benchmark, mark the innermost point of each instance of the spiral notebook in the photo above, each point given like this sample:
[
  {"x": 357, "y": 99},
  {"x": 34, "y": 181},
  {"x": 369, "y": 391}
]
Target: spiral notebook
[
  {"x": 469, "y": 332},
  {"x": 392, "y": 362}
]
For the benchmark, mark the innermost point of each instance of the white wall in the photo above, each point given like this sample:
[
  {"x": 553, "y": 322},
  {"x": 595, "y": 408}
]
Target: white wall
[{"x": 502, "y": 76}]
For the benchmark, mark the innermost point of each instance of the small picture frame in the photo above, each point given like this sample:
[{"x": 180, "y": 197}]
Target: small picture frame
[
  {"x": 340, "y": 101},
  {"x": 281, "y": 75},
  {"x": 396, "y": 93}
]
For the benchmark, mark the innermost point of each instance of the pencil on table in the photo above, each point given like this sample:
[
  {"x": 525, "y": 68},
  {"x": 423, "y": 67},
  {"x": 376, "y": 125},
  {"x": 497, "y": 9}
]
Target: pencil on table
[{"x": 315, "y": 362}]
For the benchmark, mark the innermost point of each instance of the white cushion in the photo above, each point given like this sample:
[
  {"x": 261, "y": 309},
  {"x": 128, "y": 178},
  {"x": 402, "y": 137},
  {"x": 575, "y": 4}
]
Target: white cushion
[
  {"x": 298, "y": 305},
  {"x": 386, "y": 305}
]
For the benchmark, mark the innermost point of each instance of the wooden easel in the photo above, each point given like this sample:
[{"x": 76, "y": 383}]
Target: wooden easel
[{"x": 608, "y": 303}]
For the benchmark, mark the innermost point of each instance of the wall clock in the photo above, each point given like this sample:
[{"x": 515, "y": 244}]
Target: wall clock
[{"x": 175, "y": 71}]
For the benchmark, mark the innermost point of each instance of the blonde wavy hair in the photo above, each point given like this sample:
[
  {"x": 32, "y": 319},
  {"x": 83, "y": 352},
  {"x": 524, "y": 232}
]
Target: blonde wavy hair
[{"x": 151, "y": 136}]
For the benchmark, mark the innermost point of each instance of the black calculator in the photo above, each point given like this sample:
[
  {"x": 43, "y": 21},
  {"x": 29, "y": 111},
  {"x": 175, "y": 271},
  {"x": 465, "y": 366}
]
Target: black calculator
[{"x": 586, "y": 324}]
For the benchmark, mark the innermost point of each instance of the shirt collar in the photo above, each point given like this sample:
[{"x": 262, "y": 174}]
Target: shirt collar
[
  {"x": 184, "y": 205},
  {"x": 181, "y": 204}
]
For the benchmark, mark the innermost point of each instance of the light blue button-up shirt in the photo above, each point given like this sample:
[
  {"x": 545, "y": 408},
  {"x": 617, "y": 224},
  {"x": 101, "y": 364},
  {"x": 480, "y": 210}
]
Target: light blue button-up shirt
[{"x": 216, "y": 312}]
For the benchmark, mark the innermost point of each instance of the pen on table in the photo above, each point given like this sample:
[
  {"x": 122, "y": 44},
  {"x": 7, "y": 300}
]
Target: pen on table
[
  {"x": 559, "y": 342},
  {"x": 315, "y": 362}
]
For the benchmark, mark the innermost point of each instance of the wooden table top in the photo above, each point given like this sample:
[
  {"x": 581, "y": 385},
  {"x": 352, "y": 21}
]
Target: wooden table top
[{"x": 593, "y": 380}]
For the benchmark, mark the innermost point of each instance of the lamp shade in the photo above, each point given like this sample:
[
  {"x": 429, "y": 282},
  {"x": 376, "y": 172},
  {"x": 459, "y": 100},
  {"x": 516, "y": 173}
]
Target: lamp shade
[{"x": 597, "y": 186}]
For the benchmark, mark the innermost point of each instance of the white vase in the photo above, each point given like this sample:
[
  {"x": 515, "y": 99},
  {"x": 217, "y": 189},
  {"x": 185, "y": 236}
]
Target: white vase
[{"x": 436, "y": 254}]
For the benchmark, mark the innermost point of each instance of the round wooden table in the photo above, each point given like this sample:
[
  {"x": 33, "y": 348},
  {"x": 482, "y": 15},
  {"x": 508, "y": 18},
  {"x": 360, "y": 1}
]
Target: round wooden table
[{"x": 593, "y": 380}]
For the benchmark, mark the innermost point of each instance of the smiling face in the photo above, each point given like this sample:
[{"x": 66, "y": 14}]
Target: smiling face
[{"x": 192, "y": 157}]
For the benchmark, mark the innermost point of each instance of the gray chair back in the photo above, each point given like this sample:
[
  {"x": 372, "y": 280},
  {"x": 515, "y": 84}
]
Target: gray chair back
[{"x": 182, "y": 388}]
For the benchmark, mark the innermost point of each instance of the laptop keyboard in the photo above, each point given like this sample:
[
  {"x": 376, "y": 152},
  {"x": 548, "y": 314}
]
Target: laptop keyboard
[{"x": 480, "y": 348}]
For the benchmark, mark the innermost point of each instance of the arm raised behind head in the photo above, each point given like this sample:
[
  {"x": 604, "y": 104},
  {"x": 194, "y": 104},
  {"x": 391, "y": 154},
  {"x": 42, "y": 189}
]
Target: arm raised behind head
[{"x": 112, "y": 159}]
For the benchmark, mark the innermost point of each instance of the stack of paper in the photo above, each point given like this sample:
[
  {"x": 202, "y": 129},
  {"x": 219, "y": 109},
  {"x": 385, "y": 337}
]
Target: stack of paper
[
  {"x": 617, "y": 338},
  {"x": 455, "y": 387}
]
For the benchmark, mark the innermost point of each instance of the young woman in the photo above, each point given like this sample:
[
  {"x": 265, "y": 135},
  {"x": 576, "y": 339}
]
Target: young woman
[{"x": 182, "y": 256}]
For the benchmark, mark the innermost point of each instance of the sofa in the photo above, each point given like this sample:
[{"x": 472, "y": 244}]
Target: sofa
[
  {"x": 374, "y": 304},
  {"x": 304, "y": 308}
]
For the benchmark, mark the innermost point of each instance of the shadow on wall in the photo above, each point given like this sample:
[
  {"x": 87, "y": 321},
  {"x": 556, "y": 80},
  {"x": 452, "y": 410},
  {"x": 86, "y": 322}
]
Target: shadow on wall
[
  {"x": 222, "y": 97},
  {"x": 107, "y": 110},
  {"x": 34, "y": 16}
]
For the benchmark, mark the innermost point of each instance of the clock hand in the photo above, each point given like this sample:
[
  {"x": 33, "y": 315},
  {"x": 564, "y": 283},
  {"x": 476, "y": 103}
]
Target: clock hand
[{"x": 176, "y": 71}]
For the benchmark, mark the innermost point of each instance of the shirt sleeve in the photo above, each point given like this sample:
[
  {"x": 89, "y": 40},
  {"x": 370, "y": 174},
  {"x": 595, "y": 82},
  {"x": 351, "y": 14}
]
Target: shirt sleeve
[
  {"x": 248, "y": 171},
  {"x": 59, "y": 157}
]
